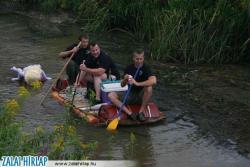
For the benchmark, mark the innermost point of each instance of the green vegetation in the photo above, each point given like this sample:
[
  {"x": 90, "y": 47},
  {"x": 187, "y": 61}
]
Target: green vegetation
[
  {"x": 183, "y": 31},
  {"x": 132, "y": 142},
  {"x": 62, "y": 143}
]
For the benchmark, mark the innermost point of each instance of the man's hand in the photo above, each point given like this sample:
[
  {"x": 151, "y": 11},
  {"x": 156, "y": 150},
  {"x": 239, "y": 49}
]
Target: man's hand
[
  {"x": 126, "y": 77},
  {"x": 83, "y": 67},
  {"x": 75, "y": 49},
  {"x": 130, "y": 79},
  {"x": 125, "y": 80}
]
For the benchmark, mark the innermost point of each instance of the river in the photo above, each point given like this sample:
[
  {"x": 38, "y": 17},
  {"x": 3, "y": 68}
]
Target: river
[{"x": 176, "y": 142}]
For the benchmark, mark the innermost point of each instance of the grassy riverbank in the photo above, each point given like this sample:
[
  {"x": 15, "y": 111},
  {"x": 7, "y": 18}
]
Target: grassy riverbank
[{"x": 190, "y": 32}]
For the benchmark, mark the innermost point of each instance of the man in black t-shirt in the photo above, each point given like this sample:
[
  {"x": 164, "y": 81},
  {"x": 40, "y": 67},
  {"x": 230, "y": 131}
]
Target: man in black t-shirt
[
  {"x": 80, "y": 54},
  {"x": 141, "y": 90},
  {"x": 97, "y": 67}
]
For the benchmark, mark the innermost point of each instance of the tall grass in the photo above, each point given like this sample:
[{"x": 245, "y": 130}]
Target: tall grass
[
  {"x": 185, "y": 31},
  {"x": 92, "y": 16},
  {"x": 193, "y": 35}
]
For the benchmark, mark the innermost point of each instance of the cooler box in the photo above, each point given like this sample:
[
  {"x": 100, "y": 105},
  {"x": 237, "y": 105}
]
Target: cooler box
[{"x": 111, "y": 86}]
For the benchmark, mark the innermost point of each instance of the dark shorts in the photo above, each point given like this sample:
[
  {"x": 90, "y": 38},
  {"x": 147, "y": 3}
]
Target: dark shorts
[
  {"x": 72, "y": 71},
  {"x": 133, "y": 97}
]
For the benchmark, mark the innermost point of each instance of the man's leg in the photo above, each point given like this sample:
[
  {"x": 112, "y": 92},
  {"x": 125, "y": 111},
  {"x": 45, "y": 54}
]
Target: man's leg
[
  {"x": 147, "y": 93},
  {"x": 97, "y": 82},
  {"x": 83, "y": 79},
  {"x": 72, "y": 71},
  {"x": 115, "y": 100}
]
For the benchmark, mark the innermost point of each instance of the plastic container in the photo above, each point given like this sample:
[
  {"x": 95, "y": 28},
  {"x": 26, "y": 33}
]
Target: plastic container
[{"x": 111, "y": 86}]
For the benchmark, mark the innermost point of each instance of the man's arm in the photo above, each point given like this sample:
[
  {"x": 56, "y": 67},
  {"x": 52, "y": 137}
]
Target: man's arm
[
  {"x": 65, "y": 54},
  {"x": 149, "y": 82},
  {"x": 93, "y": 71}
]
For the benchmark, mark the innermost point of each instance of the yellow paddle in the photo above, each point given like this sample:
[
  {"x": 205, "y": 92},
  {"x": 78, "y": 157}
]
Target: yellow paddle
[{"x": 113, "y": 124}]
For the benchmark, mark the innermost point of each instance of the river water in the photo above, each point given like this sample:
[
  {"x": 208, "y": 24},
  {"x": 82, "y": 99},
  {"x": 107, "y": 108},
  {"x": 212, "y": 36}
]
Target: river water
[{"x": 176, "y": 142}]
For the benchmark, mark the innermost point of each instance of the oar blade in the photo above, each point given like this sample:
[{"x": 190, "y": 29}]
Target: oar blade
[{"x": 113, "y": 124}]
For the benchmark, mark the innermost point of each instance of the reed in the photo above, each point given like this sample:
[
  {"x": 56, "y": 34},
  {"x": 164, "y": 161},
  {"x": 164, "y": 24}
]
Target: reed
[
  {"x": 199, "y": 36},
  {"x": 190, "y": 32}
]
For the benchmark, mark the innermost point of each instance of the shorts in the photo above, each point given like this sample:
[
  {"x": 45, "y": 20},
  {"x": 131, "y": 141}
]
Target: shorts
[{"x": 133, "y": 97}]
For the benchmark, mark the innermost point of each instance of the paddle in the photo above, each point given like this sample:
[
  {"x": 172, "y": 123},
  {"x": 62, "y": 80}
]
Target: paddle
[
  {"x": 95, "y": 107},
  {"x": 113, "y": 124},
  {"x": 61, "y": 72},
  {"x": 77, "y": 82}
]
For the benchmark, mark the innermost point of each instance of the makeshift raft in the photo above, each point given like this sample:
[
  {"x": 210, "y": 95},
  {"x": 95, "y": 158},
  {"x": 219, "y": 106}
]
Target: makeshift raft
[{"x": 101, "y": 115}]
